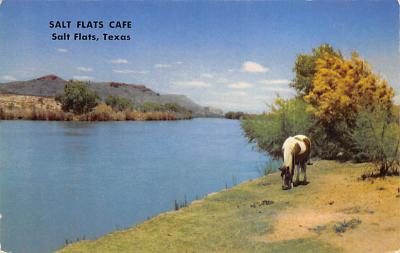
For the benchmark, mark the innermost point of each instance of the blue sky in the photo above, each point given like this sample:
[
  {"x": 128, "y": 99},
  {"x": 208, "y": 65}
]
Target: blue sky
[{"x": 232, "y": 55}]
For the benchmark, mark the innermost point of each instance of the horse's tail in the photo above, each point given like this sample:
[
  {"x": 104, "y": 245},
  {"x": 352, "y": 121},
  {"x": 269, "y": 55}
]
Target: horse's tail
[{"x": 307, "y": 142}]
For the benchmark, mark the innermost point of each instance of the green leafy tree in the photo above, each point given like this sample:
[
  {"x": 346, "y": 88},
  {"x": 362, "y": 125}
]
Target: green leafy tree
[
  {"x": 119, "y": 103},
  {"x": 78, "y": 97},
  {"x": 305, "y": 68}
]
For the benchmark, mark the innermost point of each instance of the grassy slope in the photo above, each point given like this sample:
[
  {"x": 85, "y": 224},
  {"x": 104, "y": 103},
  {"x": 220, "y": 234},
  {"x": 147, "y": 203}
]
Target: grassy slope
[{"x": 225, "y": 222}]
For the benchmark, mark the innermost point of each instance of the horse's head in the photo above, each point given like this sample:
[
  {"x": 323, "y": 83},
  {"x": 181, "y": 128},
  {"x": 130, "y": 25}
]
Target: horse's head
[{"x": 286, "y": 178}]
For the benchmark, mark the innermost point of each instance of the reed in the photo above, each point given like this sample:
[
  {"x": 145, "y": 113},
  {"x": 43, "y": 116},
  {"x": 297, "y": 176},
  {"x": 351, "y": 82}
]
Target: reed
[{"x": 101, "y": 112}]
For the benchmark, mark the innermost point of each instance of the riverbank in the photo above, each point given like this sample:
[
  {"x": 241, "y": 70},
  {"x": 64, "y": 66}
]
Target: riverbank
[
  {"x": 20, "y": 107},
  {"x": 336, "y": 212}
]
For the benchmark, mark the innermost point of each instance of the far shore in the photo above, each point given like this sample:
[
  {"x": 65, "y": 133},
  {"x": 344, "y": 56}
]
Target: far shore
[{"x": 21, "y": 107}]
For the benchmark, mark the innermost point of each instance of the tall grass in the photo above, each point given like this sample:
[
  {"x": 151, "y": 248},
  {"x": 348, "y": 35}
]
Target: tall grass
[
  {"x": 101, "y": 112},
  {"x": 34, "y": 114}
]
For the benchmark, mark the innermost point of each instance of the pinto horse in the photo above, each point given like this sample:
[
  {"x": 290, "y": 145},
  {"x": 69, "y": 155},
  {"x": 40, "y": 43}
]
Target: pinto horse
[{"x": 296, "y": 151}]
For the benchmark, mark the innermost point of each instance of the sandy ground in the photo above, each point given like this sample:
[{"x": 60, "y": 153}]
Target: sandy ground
[{"x": 343, "y": 197}]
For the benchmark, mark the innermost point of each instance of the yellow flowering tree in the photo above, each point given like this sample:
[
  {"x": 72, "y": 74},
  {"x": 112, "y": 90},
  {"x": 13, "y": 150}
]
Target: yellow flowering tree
[{"x": 341, "y": 88}]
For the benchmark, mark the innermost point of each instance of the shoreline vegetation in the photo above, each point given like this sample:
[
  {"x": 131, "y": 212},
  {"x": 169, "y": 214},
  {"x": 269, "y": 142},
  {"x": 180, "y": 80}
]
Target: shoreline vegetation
[
  {"x": 257, "y": 216},
  {"x": 23, "y": 107},
  {"x": 238, "y": 115}
]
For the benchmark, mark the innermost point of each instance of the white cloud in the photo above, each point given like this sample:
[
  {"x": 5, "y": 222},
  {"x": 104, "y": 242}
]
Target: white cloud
[
  {"x": 82, "y": 78},
  {"x": 222, "y": 80},
  {"x": 207, "y": 75},
  {"x": 253, "y": 67},
  {"x": 161, "y": 66},
  {"x": 129, "y": 71},
  {"x": 119, "y": 61},
  {"x": 240, "y": 85},
  {"x": 123, "y": 71},
  {"x": 193, "y": 84},
  {"x": 179, "y": 62},
  {"x": 237, "y": 93},
  {"x": 62, "y": 50},
  {"x": 278, "y": 89},
  {"x": 84, "y": 69},
  {"x": 275, "y": 81},
  {"x": 8, "y": 78}
]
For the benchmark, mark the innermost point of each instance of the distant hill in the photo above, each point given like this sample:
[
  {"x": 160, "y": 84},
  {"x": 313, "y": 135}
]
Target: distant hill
[{"x": 52, "y": 85}]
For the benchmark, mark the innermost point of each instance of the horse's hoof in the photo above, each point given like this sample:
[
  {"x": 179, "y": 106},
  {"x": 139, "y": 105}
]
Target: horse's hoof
[
  {"x": 305, "y": 182},
  {"x": 286, "y": 188},
  {"x": 297, "y": 183}
]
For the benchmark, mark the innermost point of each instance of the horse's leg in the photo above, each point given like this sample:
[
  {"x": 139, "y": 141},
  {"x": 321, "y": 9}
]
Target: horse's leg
[
  {"x": 298, "y": 173},
  {"x": 291, "y": 176},
  {"x": 305, "y": 172}
]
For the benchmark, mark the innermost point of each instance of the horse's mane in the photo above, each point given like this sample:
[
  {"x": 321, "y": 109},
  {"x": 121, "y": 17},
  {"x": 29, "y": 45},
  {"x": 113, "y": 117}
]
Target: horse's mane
[{"x": 287, "y": 149}]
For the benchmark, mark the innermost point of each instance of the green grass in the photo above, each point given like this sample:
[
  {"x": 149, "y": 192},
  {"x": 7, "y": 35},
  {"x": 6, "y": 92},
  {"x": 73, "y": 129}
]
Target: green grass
[{"x": 222, "y": 222}]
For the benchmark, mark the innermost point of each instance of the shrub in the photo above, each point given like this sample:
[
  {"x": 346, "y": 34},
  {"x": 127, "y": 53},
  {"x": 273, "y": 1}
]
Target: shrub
[
  {"x": 378, "y": 135},
  {"x": 150, "y": 107},
  {"x": 235, "y": 115},
  {"x": 168, "y": 111},
  {"x": 269, "y": 130},
  {"x": 78, "y": 97},
  {"x": 174, "y": 107},
  {"x": 133, "y": 115},
  {"x": 119, "y": 103},
  {"x": 102, "y": 112}
]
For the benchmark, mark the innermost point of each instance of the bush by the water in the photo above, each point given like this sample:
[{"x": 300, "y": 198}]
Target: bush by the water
[
  {"x": 104, "y": 112},
  {"x": 168, "y": 107},
  {"x": 119, "y": 103},
  {"x": 237, "y": 115},
  {"x": 78, "y": 98},
  {"x": 269, "y": 130}
]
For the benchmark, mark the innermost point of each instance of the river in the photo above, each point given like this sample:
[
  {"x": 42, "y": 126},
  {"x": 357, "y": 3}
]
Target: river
[{"x": 67, "y": 180}]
